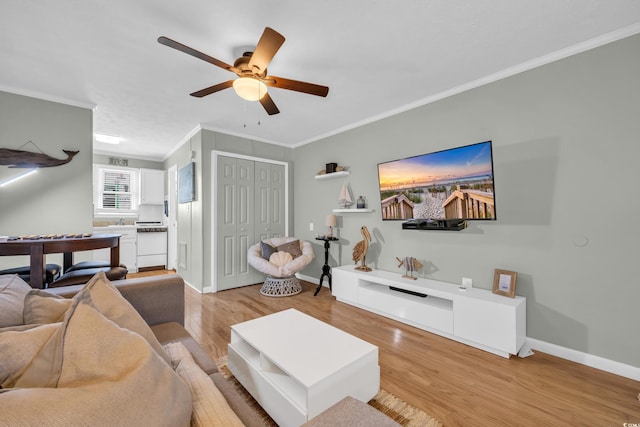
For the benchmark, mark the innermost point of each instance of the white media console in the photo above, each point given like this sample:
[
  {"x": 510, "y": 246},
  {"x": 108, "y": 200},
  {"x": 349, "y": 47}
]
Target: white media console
[{"x": 476, "y": 317}]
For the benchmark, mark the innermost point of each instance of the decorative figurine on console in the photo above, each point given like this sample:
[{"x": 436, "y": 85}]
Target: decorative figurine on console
[
  {"x": 361, "y": 248},
  {"x": 410, "y": 265}
]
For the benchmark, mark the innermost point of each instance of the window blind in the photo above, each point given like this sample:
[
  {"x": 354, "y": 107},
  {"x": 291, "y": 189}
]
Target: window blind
[{"x": 116, "y": 191}]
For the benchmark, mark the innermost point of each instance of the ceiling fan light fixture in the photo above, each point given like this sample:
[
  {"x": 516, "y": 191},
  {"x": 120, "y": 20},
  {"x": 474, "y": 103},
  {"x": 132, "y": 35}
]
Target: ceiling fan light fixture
[{"x": 249, "y": 88}]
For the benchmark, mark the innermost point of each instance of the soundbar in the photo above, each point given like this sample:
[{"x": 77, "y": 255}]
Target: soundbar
[
  {"x": 406, "y": 291},
  {"x": 435, "y": 224}
]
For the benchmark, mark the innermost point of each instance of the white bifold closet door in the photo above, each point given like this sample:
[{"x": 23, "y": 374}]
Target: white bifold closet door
[{"x": 250, "y": 207}]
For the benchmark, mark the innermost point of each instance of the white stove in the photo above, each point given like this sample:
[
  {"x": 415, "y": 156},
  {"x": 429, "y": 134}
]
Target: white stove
[
  {"x": 150, "y": 227},
  {"x": 152, "y": 244}
]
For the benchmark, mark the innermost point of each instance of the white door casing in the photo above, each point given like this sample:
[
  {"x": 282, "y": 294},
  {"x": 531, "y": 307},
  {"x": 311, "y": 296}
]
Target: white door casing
[{"x": 172, "y": 226}]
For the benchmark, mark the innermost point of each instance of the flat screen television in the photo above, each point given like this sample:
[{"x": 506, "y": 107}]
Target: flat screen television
[{"x": 450, "y": 184}]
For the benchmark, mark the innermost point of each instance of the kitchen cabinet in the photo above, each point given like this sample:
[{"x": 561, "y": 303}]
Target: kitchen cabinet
[
  {"x": 151, "y": 187},
  {"x": 128, "y": 246}
]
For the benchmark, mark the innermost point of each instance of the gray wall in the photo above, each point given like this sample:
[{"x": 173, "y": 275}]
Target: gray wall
[
  {"x": 194, "y": 219},
  {"x": 55, "y": 199},
  {"x": 565, "y": 140}
]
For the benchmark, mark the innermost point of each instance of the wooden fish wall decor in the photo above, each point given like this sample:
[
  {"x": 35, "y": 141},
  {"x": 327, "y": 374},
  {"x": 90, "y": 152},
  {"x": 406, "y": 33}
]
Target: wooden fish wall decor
[
  {"x": 410, "y": 264},
  {"x": 29, "y": 159}
]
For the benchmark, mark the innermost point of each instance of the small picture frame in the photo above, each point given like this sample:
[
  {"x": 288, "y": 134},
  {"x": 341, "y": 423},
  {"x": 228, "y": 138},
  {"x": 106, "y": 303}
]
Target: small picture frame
[{"x": 504, "y": 283}]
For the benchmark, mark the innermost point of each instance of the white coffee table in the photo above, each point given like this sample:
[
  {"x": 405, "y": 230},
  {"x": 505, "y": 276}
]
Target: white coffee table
[{"x": 296, "y": 366}]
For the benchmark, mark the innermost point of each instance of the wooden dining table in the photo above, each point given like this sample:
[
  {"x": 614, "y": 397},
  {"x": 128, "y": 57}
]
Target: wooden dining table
[{"x": 38, "y": 247}]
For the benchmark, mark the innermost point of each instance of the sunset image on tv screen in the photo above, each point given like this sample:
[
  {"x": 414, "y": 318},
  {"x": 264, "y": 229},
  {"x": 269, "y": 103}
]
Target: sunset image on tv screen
[{"x": 449, "y": 184}]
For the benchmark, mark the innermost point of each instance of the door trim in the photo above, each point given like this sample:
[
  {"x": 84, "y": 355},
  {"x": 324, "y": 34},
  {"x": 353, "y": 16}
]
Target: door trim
[
  {"x": 214, "y": 214},
  {"x": 172, "y": 239}
]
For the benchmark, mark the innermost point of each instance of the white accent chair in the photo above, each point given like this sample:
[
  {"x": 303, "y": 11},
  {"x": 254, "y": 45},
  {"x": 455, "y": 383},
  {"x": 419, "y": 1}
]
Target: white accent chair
[{"x": 280, "y": 270}]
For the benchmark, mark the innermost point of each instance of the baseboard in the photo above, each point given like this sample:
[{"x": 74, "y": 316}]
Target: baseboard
[
  {"x": 191, "y": 286},
  {"x": 311, "y": 279},
  {"x": 587, "y": 359}
]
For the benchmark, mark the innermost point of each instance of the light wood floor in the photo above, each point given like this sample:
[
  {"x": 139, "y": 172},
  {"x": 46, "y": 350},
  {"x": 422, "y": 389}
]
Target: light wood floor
[{"x": 458, "y": 384}]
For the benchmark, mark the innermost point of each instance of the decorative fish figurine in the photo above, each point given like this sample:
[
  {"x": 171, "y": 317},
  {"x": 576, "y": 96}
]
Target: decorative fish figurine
[
  {"x": 29, "y": 159},
  {"x": 410, "y": 264}
]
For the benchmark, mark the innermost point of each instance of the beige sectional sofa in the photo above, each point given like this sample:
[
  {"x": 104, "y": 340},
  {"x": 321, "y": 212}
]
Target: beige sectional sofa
[
  {"x": 159, "y": 300},
  {"x": 74, "y": 336}
]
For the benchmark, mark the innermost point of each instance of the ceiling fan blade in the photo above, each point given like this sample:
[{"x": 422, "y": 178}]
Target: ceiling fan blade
[
  {"x": 298, "y": 86},
  {"x": 268, "y": 45},
  {"x": 212, "y": 89},
  {"x": 269, "y": 105},
  {"x": 190, "y": 51}
]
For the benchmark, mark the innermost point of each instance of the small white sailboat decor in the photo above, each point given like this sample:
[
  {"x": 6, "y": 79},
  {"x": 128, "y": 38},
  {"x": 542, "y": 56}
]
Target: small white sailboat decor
[{"x": 344, "y": 199}]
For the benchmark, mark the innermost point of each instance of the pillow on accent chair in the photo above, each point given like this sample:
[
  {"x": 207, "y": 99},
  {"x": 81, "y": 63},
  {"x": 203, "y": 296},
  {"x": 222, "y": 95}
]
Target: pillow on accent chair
[
  {"x": 267, "y": 250},
  {"x": 292, "y": 247},
  {"x": 280, "y": 258}
]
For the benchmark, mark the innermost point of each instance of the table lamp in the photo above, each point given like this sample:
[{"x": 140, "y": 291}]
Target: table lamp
[{"x": 331, "y": 221}]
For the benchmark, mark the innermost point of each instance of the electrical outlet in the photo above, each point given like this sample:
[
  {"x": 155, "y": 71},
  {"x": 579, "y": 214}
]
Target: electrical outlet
[
  {"x": 467, "y": 282},
  {"x": 310, "y": 226}
]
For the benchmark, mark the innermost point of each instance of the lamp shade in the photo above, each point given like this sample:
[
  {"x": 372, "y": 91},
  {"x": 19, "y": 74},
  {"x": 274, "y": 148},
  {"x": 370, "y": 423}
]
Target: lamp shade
[
  {"x": 332, "y": 221},
  {"x": 249, "y": 88}
]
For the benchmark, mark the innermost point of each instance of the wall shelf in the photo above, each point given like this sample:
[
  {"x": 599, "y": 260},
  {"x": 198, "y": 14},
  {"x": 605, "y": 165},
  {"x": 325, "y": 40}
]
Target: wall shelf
[
  {"x": 352, "y": 210},
  {"x": 332, "y": 175}
]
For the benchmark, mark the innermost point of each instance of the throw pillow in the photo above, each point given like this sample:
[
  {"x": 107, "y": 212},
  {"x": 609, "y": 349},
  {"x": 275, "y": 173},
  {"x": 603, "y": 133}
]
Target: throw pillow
[
  {"x": 12, "y": 292},
  {"x": 43, "y": 307},
  {"x": 110, "y": 302},
  {"x": 267, "y": 250},
  {"x": 92, "y": 372},
  {"x": 210, "y": 408},
  {"x": 18, "y": 348},
  {"x": 291, "y": 247},
  {"x": 280, "y": 258}
]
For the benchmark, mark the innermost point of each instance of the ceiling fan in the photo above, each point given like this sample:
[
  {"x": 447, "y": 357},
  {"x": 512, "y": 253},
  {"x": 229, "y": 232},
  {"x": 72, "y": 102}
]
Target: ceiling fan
[{"x": 251, "y": 69}]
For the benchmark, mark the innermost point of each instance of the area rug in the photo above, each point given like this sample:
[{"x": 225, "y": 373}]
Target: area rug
[{"x": 396, "y": 409}]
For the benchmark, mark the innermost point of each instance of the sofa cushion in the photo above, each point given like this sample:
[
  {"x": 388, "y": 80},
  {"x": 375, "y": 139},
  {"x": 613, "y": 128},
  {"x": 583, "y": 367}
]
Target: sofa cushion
[
  {"x": 175, "y": 332},
  {"x": 240, "y": 406},
  {"x": 43, "y": 307},
  {"x": 353, "y": 413},
  {"x": 12, "y": 292},
  {"x": 110, "y": 302},
  {"x": 93, "y": 372},
  {"x": 18, "y": 347},
  {"x": 209, "y": 405}
]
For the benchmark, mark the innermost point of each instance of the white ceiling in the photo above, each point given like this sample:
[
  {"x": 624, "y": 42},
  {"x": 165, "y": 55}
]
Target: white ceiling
[{"x": 377, "y": 57}]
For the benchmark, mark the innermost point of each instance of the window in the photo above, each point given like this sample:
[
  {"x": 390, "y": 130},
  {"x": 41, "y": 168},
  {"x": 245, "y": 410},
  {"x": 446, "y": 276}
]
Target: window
[{"x": 115, "y": 190}]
